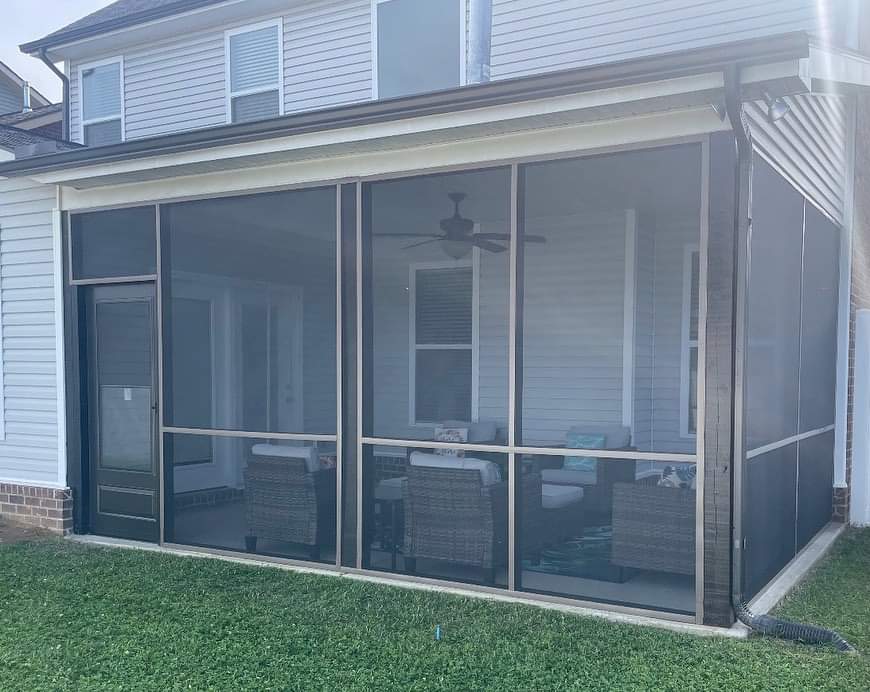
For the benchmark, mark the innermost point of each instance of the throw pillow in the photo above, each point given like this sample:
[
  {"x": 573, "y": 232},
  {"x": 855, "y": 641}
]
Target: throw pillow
[
  {"x": 679, "y": 477},
  {"x": 445, "y": 434},
  {"x": 583, "y": 441}
]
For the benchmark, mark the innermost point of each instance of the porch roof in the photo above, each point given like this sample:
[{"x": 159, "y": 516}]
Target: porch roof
[{"x": 672, "y": 81}]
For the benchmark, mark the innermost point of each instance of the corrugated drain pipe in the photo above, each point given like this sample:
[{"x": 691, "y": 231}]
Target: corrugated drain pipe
[
  {"x": 763, "y": 624},
  {"x": 65, "y": 81}
]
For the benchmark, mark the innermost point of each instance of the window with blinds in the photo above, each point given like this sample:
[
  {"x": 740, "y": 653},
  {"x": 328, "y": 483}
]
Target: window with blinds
[
  {"x": 254, "y": 72},
  {"x": 443, "y": 357},
  {"x": 102, "y": 104}
]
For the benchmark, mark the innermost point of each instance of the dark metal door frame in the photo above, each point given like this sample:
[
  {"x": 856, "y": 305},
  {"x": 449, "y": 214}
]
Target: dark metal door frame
[{"x": 140, "y": 517}]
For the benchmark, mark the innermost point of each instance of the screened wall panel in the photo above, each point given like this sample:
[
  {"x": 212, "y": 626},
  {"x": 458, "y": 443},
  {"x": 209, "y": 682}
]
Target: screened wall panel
[
  {"x": 815, "y": 480},
  {"x": 249, "y": 313},
  {"x": 437, "y": 304},
  {"x": 818, "y": 379},
  {"x": 773, "y": 309},
  {"x": 607, "y": 309},
  {"x": 769, "y": 516},
  {"x": 791, "y": 360},
  {"x": 114, "y": 243}
]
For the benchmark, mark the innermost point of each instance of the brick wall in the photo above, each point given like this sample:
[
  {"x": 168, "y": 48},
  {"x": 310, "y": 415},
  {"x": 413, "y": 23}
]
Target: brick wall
[{"x": 45, "y": 508}]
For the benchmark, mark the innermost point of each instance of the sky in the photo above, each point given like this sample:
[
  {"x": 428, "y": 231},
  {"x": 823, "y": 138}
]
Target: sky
[{"x": 28, "y": 20}]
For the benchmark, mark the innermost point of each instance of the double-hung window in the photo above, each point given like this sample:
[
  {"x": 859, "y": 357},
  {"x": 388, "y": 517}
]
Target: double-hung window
[
  {"x": 102, "y": 102},
  {"x": 419, "y": 46},
  {"x": 255, "y": 81},
  {"x": 442, "y": 358},
  {"x": 689, "y": 369}
]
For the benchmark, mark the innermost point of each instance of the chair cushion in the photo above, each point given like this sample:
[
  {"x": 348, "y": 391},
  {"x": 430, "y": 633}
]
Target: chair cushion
[
  {"x": 309, "y": 454},
  {"x": 616, "y": 436},
  {"x": 390, "y": 489},
  {"x": 569, "y": 477},
  {"x": 480, "y": 432},
  {"x": 558, "y": 496},
  {"x": 489, "y": 471}
]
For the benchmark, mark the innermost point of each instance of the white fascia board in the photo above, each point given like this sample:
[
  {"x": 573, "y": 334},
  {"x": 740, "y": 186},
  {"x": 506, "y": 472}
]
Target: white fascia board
[
  {"x": 354, "y": 135},
  {"x": 831, "y": 69},
  {"x": 648, "y": 130}
]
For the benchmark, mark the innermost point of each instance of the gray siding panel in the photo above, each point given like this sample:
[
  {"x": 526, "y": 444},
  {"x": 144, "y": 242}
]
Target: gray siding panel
[
  {"x": 530, "y": 36},
  {"x": 29, "y": 451},
  {"x": 808, "y": 146},
  {"x": 327, "y": 54},
  {"x": 11, "y": 98}
]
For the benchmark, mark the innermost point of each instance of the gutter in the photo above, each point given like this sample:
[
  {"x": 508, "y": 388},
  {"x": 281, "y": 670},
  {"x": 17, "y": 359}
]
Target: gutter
[
  {"x": 748, "y": 53},
  {"x": 65, "y": 81}
]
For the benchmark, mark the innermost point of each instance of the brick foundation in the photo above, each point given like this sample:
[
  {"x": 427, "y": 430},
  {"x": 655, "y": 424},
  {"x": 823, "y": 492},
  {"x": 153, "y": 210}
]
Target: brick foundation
[{"x": 45, "y": 508}]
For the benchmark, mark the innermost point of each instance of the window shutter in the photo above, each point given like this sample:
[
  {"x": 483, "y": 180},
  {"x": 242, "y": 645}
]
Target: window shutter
[
  {"x": 444, "y": 306},
  {"x": 101, "y": 92},
  {"x": 254, "y": 59}
]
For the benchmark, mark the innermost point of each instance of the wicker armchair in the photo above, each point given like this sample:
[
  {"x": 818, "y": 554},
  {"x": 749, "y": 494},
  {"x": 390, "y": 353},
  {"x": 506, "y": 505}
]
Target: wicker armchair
[
  {"x": 451, "y": 516},
  {"x": 654, "y": 527},
  {"x": 285, "y": 502}
]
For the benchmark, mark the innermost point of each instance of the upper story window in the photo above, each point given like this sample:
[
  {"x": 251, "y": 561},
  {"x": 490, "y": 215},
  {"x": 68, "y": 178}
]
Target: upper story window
[
  {"x": 102, "y": 102},
  {"x": 255, "y": 83},
  {"x": 419, "y": 46}
]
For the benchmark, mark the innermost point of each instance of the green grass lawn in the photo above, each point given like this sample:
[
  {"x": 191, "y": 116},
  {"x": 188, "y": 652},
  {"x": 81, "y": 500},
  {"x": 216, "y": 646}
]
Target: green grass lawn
[{"x": 75, "y": 617}]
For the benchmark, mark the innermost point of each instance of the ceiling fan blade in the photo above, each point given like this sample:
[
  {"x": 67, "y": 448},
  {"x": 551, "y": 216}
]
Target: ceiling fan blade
[
  {"x": 408, "y": 235},
  {"x": 424, "y": 242},
  {"x": 505, "y": 237},
  {"x": 487, "y": 245},
  {"x": 493, "y": 236}
]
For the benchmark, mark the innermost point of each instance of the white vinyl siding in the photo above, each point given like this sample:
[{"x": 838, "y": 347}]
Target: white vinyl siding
[
  {"x": 807, "y": 147},
  {"x": 102, "y": 102},
  {"x": 533, "y": 36},
  {"x": 255, "y": 87},
  {"x": 327, "y": 54},
  {"x": 29, "y": 449}
]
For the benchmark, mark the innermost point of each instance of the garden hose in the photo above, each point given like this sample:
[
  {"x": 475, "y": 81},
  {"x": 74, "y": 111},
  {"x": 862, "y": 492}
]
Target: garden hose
[{"x": 783, "y": 629}]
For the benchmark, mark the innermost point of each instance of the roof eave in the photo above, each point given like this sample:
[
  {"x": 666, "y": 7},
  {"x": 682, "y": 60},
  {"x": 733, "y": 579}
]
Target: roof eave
[{"x": 777, "y": 49}]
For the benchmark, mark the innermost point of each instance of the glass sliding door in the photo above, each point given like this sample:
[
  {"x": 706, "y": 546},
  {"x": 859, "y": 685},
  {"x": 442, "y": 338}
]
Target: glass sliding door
[{"x": 249, "y": 330}]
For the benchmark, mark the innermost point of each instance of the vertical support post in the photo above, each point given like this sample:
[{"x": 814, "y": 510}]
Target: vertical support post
[
  {"x": 719, "y": 380},
  {"x": 859, "y": 514}
]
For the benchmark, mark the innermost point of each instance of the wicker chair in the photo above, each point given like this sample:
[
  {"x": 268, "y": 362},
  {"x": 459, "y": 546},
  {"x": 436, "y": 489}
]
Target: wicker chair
[
  {"x": 451, "y": 516},
  {"x": 285, "y": 502},
  {"x": 654, "y": 527}
]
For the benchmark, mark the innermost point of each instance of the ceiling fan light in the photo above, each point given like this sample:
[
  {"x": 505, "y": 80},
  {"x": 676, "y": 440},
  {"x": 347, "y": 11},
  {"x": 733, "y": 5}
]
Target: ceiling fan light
[{"x": 457, "y": 249}]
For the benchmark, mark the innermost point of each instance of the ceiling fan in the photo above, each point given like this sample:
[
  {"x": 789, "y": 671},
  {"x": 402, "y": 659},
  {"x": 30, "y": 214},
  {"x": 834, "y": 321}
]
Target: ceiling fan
[{"x": 458, "y": 237}]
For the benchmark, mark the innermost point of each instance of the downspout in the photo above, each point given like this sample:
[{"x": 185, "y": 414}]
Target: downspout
[
  {"x": 763, "y": 624},
  {"x": 65, "y": 81}
]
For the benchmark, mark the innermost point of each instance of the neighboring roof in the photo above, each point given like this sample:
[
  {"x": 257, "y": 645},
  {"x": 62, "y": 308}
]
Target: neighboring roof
[
  {"x": 10, "y": 74},
  {"x": 785, "y": 47},
  {"x": 12, "y": 138},
  {"x": 21, "y": 118},
  {"x": 118, "y": 15}
]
